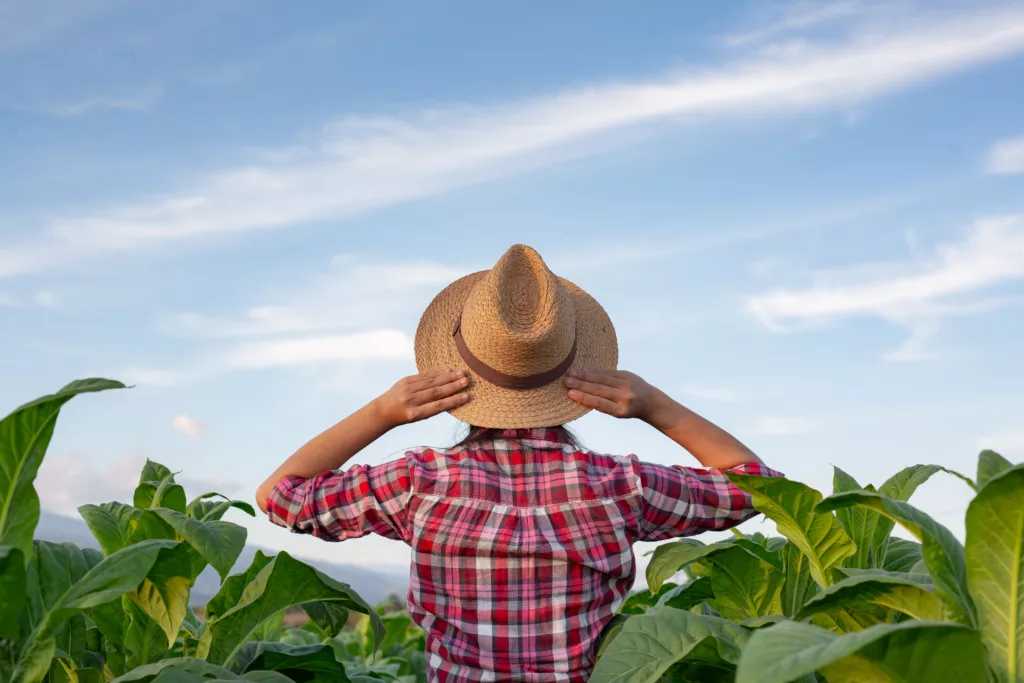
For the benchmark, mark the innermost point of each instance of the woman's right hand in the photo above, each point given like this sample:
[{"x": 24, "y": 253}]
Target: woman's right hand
[
  {"x": 421, "y": 396},
  {"x": 619, "y": 394}
]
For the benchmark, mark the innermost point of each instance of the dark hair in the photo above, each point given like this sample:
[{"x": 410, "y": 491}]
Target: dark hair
[{"x": 474, "y": 433}]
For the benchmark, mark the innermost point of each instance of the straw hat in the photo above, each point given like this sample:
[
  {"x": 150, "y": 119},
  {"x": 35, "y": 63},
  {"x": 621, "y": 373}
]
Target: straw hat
[{"x": 516, "y": 329}]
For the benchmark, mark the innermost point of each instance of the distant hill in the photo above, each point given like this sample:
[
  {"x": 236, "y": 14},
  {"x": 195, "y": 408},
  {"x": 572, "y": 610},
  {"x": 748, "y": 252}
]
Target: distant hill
[{"x": 374, "y": 585}]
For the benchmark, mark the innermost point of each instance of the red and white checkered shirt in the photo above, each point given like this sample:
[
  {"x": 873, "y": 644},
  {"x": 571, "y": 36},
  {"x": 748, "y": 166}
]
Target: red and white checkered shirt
[{"x": 522, "y": 545}]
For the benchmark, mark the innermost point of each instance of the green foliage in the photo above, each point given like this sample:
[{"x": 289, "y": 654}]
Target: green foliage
[
  {"x": 836, "y": 599},
  {"x": 282, "y": 582},
  {"x": 792, "y": 506},
  {"x": 995, "y": 569},
  {"x": 647, "y": 645},
  {"x": 24, "y": 436},
  {"x": 841, "y": 600},
  {"x": 908, "y": 652},
  {"x": 943, "y": 554},
  {"x": 71, "y": 615}
]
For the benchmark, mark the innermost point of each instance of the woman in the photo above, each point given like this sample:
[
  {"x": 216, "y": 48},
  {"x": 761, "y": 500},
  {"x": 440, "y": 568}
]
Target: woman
[{"x": 521, "y": 541}]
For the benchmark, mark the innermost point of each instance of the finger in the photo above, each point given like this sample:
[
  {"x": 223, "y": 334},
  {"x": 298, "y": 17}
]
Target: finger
[
  {"x": 597, "y": 377},
  {"x": 431, "y": 379},
  {"x": 436, "y": 393},
  {"x": 596, "y": 402},
  {"x": 431, "y": 409},
  {"x": 592, "y": 388}
]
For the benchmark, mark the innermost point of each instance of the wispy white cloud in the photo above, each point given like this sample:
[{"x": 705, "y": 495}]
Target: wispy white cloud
[
  {"x": 915, "y": 347},
  {"x": 189, "y": 426},
  {"x": 798, "y": 16},
  {"x": 1006, "y": 157},
  {"x": 348, "y": 295},
  {"x": 306, "y": 350},
  {"x": 781, "y": 426},
  {"x": 359, "y": 164},
  {"x": 43, "y": 298},
  {"x": 138, "y": 101},
  {"x": 916, "y": 292}
]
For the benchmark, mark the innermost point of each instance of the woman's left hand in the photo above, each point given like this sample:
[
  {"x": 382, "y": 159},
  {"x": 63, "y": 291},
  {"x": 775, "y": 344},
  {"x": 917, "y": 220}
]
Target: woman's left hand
[{"x": 421, "y": 396}]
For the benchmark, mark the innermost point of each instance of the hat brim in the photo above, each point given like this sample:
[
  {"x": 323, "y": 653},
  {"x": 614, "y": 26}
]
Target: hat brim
[{"x": 497, "y": 407}]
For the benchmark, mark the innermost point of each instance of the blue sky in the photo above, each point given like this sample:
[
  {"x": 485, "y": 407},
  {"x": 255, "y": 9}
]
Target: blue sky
[{"x": 805, "y": 219}]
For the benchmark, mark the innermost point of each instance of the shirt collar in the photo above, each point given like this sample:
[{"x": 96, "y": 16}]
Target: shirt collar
[{"x": 552, "y": 434}]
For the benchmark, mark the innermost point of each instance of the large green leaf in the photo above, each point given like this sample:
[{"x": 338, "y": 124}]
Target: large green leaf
[
  {"x": 395, "y": 633},
  {"x": 648, "y": 644},
  {"x": 797, "y": 586},
  {"x": 206, "y": 510},
  {"x": 217, "y": 543},
  {"x": 157, "y": 488},
  {"x": 907, "y": 652},
  {"x": 163, "y": 594},
  {"x": 230, "y": 593},
  {"x": 144, "y": 639},
  {"x": 12, "y": 588},
  {"x": 792, "y": 506},
  {"x": 328, "y": 616},
  {"x": 154, "y": 471},
  {"x": 858, "y": 522},
  {"x": 688, "y": 595},
  {"x": 53, "y": 570},
  {"x": 942, "y": 552},
  {"x": 24, "y": 436},
  {"x": 900, "y": 487},
  {"x": 112, "y": 577},
  {"x": 190, "y": 665},
  {"x": 907, "y": 593},
  {"x": 668, "y": 558},
  {"x": 611, "y": 630},
  {"x": 641, "y": 601},
  {"x": 991, "y": 465},
  {"x": 303, "y": 661},
  {"x": 110, "y": 523},
  {"x": 770, "y": 555},
  {"x": 848, "y": 620},
  {"x": 110, "y": 619},
  {"x": 995, "y": 570},
  {"x": 745, "y": 586},
  {"x": 169, "y": 494},
  {"x": 901, "y": 555},
  {"x": 282, "y": 583}
]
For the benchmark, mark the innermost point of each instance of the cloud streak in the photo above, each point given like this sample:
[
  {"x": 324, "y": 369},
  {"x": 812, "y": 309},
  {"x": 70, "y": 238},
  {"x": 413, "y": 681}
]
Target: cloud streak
[
  {"x": 1006, "y": 157},
  {"x": 349, "y": 295},
  {"x": 306, "y": 350},
  {"x": 189, "y": 426},
  {"x": 916, "y": 293},
  {"x": 359, "y": 164},
  {"x": 797, "y": 18},
  {"x": 140, "y": 101}
]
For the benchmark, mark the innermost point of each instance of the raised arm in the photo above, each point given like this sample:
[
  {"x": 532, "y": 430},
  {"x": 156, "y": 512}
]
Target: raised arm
[
  {"x": 625, "y": 395},
  {"x": 410, "y": 400}
]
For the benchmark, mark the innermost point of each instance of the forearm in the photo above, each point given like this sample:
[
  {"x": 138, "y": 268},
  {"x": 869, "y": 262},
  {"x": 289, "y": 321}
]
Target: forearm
[
  {"x": 711, "y": 445},
  {"x": 329, "y": 450}
]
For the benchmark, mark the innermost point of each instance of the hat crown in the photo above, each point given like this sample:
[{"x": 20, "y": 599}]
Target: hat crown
[{"x": 519, "y": 319}]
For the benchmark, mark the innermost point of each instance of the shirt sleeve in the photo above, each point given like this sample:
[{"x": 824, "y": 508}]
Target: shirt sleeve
[
  {"x": 345, "y": 504},
  {"x": 685, "y": 501}
]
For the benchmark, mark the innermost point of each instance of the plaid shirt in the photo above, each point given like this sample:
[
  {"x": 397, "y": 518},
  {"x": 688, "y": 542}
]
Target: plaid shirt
[{"x": 521, "y": 544}]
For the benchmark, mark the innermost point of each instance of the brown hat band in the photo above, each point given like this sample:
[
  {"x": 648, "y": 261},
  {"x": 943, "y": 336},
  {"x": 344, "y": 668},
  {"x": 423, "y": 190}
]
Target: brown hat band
[{"x": 489, "y": 374}]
